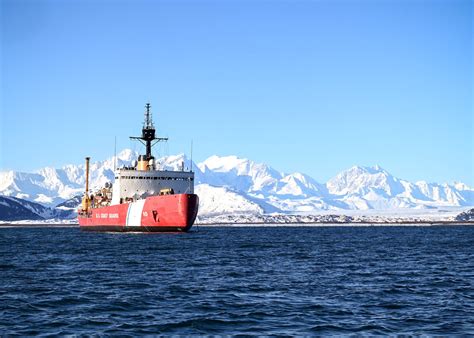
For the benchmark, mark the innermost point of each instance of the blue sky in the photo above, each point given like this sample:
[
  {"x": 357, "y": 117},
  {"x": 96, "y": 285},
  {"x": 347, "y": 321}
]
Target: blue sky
[{"x": 310, "y": 86}]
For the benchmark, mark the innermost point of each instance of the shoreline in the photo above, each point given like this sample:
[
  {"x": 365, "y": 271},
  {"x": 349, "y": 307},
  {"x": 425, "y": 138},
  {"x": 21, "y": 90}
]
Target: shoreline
[
  {"x": 315, "y": 224},
  {"x": 427, "y": 223}
]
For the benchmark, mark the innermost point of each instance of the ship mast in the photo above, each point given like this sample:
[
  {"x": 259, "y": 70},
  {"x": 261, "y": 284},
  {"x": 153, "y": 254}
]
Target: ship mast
[{"x": 148, "y": 133}]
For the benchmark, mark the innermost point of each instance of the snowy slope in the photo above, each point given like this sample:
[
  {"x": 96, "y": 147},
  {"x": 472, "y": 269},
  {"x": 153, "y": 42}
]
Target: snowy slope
[
  {"x": 256, "y": 178},
  {"x": 241, "y": 174},
  {"x": 375, "y": 188},
  {"x": 221, "y": 200},
  {"x": 50, "y": 186},
  {"x": 231, "y": 185},
  {"x": 13, "y": 209}
]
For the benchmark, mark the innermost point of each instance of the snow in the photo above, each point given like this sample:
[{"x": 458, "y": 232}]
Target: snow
[
  {"x": 397, "y": 217},
  {"x": 220, "y": 200},
  {"x": 43, "y": 199},
  {"x": 52, "y": 221},
  {"x": 232, "y": 185}
]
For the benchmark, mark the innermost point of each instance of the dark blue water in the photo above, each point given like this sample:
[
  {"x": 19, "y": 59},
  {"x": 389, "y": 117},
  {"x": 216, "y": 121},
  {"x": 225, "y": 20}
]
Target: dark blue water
[{"x": 249, "y": 280}]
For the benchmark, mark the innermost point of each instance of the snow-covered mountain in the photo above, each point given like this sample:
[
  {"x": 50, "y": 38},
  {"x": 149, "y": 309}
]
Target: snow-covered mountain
[
  {"x": 256, "y": 178},
  {"x": 375, "y": 188},
  {"x": 50, "y": 186},
  {"x": 234, "y": 185},
  {"x": 14, "y": 209}
]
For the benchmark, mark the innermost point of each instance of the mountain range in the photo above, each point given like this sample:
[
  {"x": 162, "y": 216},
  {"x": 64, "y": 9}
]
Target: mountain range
[{"x": 232, "y": 185}]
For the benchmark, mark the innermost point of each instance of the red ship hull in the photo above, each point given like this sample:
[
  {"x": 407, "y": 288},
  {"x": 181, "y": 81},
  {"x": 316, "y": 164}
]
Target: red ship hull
[{"x": 162, "y": 213}]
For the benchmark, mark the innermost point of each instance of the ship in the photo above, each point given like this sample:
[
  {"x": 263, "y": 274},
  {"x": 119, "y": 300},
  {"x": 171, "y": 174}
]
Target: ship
[{"x": 144, "y": 196}]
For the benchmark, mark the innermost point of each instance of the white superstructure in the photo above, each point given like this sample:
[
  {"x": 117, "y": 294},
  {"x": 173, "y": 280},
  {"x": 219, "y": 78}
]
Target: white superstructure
[{"x": 133, "y": 184}]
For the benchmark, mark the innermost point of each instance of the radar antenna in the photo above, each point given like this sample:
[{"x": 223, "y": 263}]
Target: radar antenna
[{"x": 148, "y": 133}]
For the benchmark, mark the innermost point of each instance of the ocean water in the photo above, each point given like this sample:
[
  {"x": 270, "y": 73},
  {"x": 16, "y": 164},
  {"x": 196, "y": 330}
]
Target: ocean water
[{"x": 238, "y": 280}]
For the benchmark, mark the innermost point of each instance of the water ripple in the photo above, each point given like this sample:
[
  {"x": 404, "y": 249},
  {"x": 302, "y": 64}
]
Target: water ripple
[{"x": 265, "y": 281}]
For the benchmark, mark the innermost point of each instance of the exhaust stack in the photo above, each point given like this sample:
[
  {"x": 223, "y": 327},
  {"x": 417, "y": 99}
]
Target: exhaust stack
[
  {"x": 87, "y": 174},
  {"x": 86, "y": 200}
]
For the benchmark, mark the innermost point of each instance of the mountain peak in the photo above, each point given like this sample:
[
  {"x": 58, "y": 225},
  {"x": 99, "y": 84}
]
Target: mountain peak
[
  {"x": 376, "y": 169},
  {"x": 362, "y": 180},
  {"x": 127, "y": 155},
  {"x": 359, "y": 187},
  {"x": 224, "y": 163}
]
